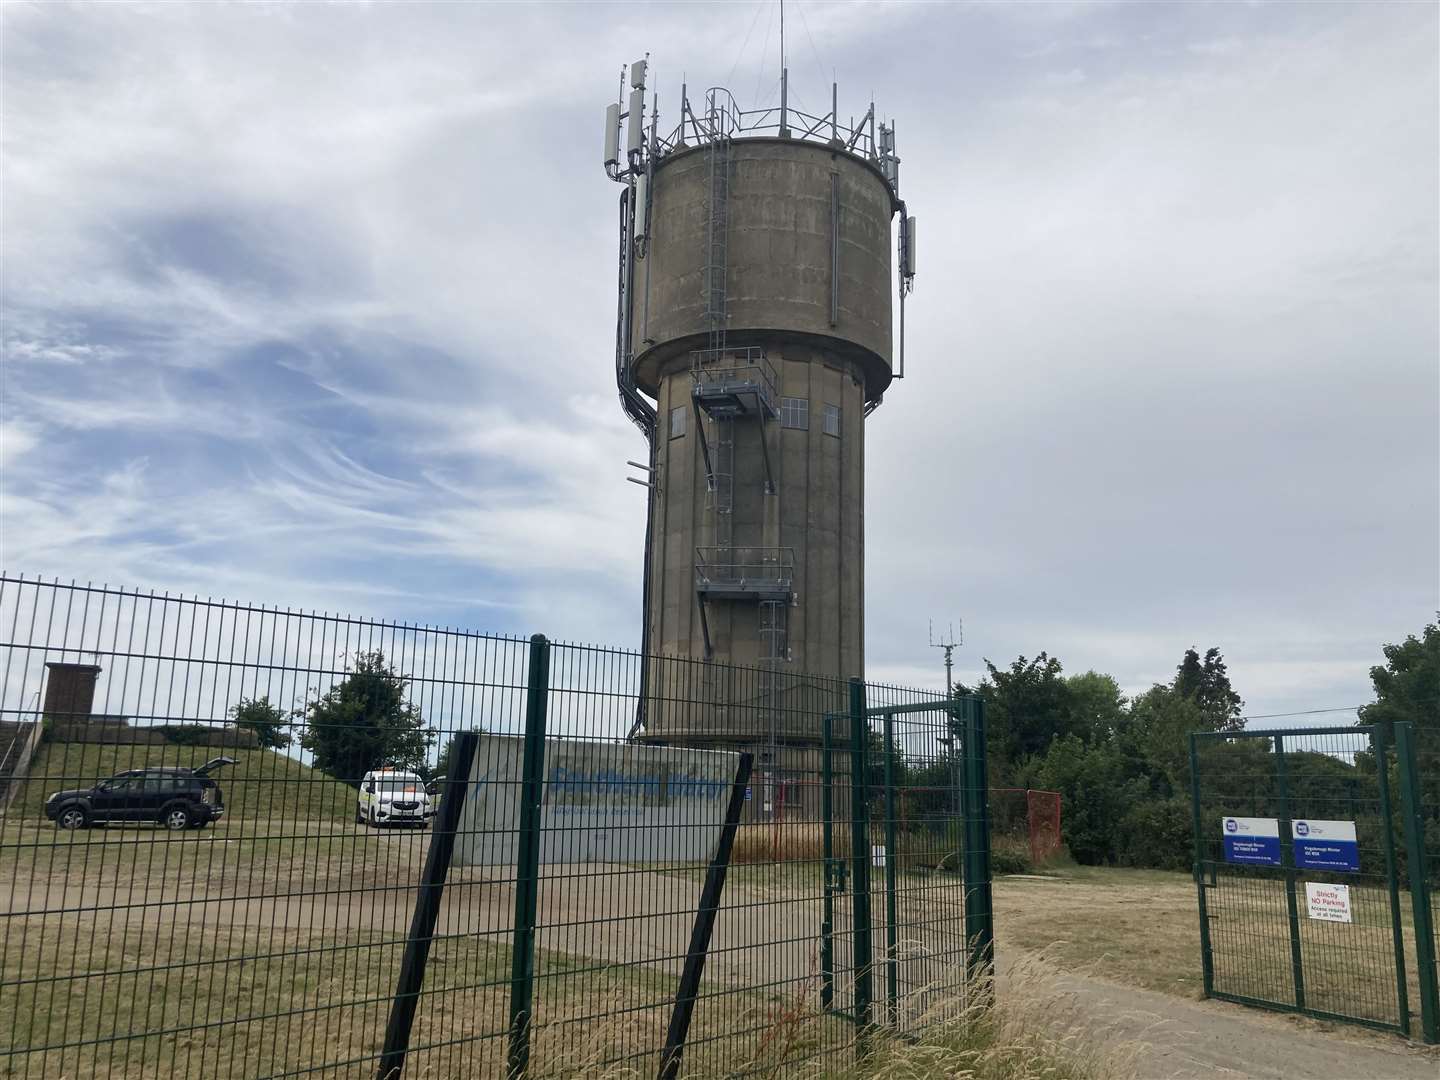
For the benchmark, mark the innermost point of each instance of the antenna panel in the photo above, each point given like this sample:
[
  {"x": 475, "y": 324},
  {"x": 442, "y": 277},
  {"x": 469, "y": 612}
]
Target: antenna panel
[
  {"x": 907, "y": 255},
  {"x": 637, "y": 74},
  {"x": 642, "y": 205},
  {"x": 612, "y": 134}
]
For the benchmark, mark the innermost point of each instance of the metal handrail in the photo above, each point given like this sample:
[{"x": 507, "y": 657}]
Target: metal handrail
[
  {"x": 724, "y": 120},
  {"x": 706, "y": 367},
  {"x": 745, "y": 563}
]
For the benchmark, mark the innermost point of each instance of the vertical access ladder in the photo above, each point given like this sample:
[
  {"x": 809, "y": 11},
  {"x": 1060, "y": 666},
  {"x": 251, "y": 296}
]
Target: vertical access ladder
[{"x": 730, "y": 386}]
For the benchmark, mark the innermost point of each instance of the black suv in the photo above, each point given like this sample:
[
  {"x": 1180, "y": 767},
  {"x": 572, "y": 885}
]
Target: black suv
[{"x": 175, "y": 798}]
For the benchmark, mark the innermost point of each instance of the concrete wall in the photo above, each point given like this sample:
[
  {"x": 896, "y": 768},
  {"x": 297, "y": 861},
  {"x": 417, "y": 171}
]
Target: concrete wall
[
  {"x": 602, "y": 802},
  {"x": 779, "y": 298},
  {"x": 70, "y": 689},
  {"x": 818, "y": 509},
  {"x": 118, "y": 731},
  {"x": 779, "y": 276}
]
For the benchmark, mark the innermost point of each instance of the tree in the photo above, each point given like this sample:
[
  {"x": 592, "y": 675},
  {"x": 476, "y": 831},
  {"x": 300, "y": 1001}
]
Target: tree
[
  {"x": 1028, "y": 707},
  {"x": 364, "y": 722},
  {"x": 1094, "y": 795},
  {"x": 267, "y": 721},
  {"x": 1160, "y": 723},
  {"x": 1207, "y": 684},
  {"x": 1097, "y": 707},
  {"x": 1407, "y": 687}
]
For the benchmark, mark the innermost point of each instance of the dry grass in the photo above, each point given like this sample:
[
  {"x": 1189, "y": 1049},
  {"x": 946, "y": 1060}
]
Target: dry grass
[
  {"x": 302, "y": 1000},
  {"x": 784, "y": 841},
  {"x": 1088, "y": 919},
  {"x": 1029, "y": 1030}
]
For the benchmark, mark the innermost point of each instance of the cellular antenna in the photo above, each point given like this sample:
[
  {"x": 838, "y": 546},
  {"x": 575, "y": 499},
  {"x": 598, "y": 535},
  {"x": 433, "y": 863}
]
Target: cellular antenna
[{"x": 949, "y": 642}]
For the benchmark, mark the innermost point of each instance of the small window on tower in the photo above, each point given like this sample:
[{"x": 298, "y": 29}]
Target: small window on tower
[
  {"x": 830, "y": 421},
  {"x": 677, "y": 422},
  {"x": 795, "y": 413}
]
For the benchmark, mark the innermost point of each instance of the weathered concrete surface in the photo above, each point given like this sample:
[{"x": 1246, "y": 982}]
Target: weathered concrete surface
[
  {"x": 818, "y": 511},
  {"x": 809, "y": 226},
  {"x": 778, "y": 256}
]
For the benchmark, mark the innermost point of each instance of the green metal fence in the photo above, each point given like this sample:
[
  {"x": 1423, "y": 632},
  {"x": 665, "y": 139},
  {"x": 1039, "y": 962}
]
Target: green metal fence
[
  {"x": 540, "y": 915},
  {"x": 901, "y": 946},
  {"x": 1311, "y": 873}
]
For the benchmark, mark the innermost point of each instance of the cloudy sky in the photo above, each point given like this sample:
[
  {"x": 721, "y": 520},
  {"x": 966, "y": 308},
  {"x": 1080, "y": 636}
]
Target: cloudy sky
[{"x": 314, "y": 305}]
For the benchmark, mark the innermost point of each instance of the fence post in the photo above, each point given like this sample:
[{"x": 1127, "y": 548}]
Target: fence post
[
  {"x": 1287, "y": 863},
  {"x": 860, "y": 855},
  {"x": 979, "y": 912},
  {"x": 827, "y": 917},
  {"x": 1419, "y": 883},
  {"x": 527, "y": 858},
  {"x": 427, "y": 907},
  {"x": 1207, "y": 960},
  {"x": 892, "y": 970},
  {"x": 1379, "y": 745},
  {"x": 689, "y": 989}
]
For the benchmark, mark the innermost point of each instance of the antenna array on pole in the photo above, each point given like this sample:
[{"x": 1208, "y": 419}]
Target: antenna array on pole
[{"x": 949, "y": 642}]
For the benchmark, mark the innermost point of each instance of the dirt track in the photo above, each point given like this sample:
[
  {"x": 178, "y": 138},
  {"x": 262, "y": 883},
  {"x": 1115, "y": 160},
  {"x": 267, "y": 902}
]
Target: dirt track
[
  {"x": 1176, "y": 1039},
  {"x": 1140, "y": 927}
]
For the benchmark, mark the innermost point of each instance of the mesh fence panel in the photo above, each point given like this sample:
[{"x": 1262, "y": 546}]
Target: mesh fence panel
[
  {"x": 1269, "y": 941},
  {"x": 252, "y": 919}
]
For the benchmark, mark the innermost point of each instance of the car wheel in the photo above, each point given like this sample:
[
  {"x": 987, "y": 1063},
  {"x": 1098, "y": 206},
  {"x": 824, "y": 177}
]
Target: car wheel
[
  {"x": 177, "y": 818},
  {"x": 72, "y": 817}
]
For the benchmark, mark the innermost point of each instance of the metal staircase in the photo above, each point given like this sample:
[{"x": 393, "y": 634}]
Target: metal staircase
[{"x": 733, "y": 387}]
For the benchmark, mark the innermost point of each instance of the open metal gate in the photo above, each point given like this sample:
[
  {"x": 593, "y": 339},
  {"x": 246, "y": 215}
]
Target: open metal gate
[
  {"x": 907, "y": 925},
  {"x": 1307, "y": 899}
]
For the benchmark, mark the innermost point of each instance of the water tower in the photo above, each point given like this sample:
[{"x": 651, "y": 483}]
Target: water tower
[{"x": 754, "y": 336}]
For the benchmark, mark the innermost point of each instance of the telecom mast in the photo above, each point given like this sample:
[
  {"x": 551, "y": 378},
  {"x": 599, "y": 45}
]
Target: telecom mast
[{"x": 949, "y": 642}]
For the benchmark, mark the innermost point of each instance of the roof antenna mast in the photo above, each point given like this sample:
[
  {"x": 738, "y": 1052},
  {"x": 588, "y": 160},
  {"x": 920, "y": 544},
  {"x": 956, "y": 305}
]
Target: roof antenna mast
[{"x": 948, "y": 642}]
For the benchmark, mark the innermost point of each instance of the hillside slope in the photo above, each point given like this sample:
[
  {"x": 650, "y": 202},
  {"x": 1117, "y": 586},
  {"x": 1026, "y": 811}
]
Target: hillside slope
[{"x": 261, "y": 783}]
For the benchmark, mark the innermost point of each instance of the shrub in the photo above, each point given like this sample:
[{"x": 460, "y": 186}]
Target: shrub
[
  {"x": 1010, "y": 855},
  {"x": 1157, "y": 833}
]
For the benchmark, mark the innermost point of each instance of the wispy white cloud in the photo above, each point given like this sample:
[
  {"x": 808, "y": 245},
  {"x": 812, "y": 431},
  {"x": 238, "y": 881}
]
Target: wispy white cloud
[{"x": 314, "y": 304}]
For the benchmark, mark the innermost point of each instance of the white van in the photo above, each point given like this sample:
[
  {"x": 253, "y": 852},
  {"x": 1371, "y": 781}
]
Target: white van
[{"x": 393, "y": 797}]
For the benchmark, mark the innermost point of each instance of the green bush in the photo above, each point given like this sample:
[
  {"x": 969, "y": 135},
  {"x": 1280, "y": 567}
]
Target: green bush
[
  {"x": 1157, "y": 833},
  {"x": 1010, "y": 855}
]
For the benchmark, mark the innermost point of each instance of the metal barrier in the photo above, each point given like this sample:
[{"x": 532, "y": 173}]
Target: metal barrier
[
  {"x": 235, "y": 892},
  {"x": 1311, "y": 873}
]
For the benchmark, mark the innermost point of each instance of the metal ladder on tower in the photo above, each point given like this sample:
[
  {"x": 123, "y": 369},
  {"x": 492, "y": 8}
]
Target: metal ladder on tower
[{"x": 722, "y": 472}]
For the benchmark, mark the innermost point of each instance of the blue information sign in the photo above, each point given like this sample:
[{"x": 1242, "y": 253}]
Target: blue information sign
[
  {"x": 1325, "y": 845},
  {"x": 1255, "y": 841}
]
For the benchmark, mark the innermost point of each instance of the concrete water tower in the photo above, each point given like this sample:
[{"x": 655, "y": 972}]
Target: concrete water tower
[{"x": 754, "y": 336}]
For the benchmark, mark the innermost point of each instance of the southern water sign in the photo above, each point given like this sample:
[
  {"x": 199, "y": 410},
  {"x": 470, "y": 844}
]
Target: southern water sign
[
  {"x": 1325, "y": 845},
  {"x": 601, "y": 802},
  {"x": 1254, "y": 840}
]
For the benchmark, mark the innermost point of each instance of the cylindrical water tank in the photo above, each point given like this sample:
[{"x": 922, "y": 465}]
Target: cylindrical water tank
[{"x": 794, "y": 208}]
